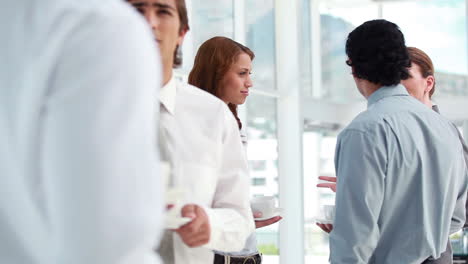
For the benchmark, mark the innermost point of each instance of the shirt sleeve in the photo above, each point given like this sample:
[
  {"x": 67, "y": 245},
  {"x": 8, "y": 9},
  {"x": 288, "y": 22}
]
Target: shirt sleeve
[
  {"x": 459, "y": 218},
  {"x": 230, "y": 217},
  {"x": 360, "y": 162},
  {"x": 99, "y": 140}
]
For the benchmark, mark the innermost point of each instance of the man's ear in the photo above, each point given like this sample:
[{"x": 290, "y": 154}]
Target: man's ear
[{"x": 182, "y": 34}]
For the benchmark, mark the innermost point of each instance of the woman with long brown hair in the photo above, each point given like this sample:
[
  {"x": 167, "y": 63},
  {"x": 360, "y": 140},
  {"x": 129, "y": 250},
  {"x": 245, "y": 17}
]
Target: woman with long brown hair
[{"x": 222, "y": 67}]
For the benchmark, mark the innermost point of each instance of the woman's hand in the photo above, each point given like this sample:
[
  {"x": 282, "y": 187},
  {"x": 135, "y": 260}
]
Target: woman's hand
[
  {"x": 267, "y": 222},
  {"x": 326, "y": 227},
  {"x": 331, "y": 183}
]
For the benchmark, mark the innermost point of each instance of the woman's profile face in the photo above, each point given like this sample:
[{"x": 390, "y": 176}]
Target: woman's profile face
[
  {"x": 417, "y": 85},
  {"x": 234, "y": 86}
]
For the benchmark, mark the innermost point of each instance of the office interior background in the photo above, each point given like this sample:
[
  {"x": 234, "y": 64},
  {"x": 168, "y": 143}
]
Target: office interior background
[{"x": 304, "y": 94}]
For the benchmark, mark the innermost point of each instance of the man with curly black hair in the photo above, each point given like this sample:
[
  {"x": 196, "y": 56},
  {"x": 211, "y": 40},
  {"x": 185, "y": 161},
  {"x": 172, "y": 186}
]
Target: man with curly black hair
[{"x": 401, "y": 177}]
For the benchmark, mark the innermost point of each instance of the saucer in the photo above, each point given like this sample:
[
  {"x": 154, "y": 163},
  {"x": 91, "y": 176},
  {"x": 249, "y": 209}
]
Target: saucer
[
  {"x": 176, "y": 222},
  {"x": 277, "y": 212},
  {"x": 323, "y": 221}
]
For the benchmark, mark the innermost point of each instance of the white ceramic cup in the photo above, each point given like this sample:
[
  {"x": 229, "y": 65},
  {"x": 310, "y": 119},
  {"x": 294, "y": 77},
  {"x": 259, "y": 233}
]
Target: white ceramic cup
[
  {"x": 264, "y": 205},
  {"x": 329, "y": 212}
]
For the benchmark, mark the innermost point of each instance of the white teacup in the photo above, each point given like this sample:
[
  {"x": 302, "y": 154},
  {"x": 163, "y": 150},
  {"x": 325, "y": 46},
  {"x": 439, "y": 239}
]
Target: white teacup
[
  {"x": 329, "y": 212},
  {"x": 263, "y": 204}
]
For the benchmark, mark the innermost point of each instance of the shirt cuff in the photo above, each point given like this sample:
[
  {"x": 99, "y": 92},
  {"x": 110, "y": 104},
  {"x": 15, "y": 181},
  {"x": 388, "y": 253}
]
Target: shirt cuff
[{"x": 229, "y": 229}]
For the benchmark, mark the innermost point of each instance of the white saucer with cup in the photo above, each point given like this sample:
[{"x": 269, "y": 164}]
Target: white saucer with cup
[{"x": 266, "y": 205}]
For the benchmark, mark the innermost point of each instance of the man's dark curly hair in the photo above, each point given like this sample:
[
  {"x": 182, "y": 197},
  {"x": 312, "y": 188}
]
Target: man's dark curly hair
[{"x": 376, "y": 50}]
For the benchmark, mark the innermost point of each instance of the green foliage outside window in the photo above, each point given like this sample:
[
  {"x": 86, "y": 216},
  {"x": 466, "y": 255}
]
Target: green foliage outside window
[{"x": 268, "y": 249}]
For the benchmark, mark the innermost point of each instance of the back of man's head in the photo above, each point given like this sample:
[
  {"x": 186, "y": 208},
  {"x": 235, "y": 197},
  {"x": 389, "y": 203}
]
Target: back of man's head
[{"x": 376, "y": 51}]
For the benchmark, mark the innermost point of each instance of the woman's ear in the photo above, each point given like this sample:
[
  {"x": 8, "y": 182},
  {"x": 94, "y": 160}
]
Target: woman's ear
[{"x": 430, "y": 81}]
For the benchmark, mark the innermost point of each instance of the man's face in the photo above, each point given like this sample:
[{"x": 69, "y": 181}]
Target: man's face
[{"x": 164, "y": 20}]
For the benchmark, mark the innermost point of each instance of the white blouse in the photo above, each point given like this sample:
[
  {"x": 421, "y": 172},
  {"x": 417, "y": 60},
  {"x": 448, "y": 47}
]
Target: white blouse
[{"x": 250, "y": 247}]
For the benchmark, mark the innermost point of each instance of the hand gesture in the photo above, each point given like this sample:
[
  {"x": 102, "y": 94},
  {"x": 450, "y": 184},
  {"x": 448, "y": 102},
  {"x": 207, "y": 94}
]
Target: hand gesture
[{"x": 330, "y": 184}]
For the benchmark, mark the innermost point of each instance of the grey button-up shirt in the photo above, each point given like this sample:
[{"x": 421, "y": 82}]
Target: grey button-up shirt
[{"x": 402, "y": 183}]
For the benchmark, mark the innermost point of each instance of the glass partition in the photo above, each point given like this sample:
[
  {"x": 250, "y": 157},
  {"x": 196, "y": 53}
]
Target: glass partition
[{"x": 262, "y": 153}]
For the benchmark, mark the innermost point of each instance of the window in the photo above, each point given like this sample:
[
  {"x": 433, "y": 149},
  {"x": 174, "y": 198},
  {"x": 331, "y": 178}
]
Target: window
[
  {"x": 257, "y": 165},
  {"x": 262, "y": 153},
  {"x": 319, "y": 148},
  {"x": 210, "y": 20},
  {"x": 443, "y": 39},
  {"x": 260, "y": 30},
  {"x": 206, "y": 20},
  {"x": 259, "y": 181},
  {"x": 336, "y": 23}
]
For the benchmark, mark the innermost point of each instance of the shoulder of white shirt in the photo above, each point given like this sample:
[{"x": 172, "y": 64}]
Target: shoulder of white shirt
[{"x": 198, "y": 94}]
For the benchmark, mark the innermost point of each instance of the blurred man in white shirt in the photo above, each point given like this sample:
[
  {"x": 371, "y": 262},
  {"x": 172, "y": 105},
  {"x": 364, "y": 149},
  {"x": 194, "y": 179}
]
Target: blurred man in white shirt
[
  {"x": 203, "y": 147},
  {"x": 78, "y": 166}
]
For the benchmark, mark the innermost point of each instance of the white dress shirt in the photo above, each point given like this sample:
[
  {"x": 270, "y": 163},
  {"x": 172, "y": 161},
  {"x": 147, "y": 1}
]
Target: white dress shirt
[
  {"x": 210, "y": 165},
  {"x": 79, "y": 180}
]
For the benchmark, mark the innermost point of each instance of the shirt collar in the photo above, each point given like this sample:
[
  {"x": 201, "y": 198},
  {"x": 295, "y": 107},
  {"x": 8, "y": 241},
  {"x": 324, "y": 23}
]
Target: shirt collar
[
  {"x": 435, "y": 108},
  {"x": 167, "y": 95},
  {"x": 386, "y": 91}
]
